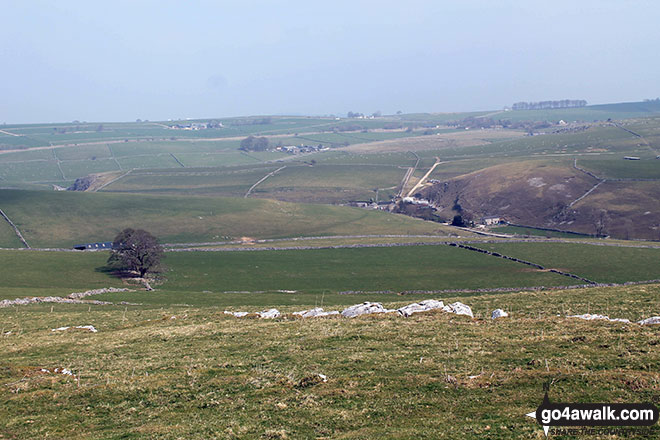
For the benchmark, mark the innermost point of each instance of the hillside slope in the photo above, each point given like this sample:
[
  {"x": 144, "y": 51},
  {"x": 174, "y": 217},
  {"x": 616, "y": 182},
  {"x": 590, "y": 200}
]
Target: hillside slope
[
  {"x": 543, "y": 194},
  {"x": 62, "y": 219}
]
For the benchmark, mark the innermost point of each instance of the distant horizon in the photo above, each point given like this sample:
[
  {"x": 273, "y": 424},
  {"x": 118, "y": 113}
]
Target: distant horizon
[{"x": 324, "y": 115}]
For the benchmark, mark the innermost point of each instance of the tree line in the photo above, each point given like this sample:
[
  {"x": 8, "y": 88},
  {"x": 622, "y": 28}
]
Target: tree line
[{"x": 542, "y": 105}]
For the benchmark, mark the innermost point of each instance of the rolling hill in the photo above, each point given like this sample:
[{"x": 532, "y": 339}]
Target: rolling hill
[{"x": 62, "y": 219}]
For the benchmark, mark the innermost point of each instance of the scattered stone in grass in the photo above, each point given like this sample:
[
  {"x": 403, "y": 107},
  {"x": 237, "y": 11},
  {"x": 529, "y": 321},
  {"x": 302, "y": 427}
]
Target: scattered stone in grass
[
  {"x": 578, "y": 339},
  {"x": 423, "y": 306},
  {"x": 458, "y": 308},
  {"x": 89, "y": 328},
  {"x": 590, "y": 317},
  {"x": 498, "y": 313},
  {"x": 650, "y": 321},
  {"x": 236, "y": 314},
  {"x": 312, "y": 313},
  {"x": 269, "y": 314},
  {"x": 365, "y": 308}
]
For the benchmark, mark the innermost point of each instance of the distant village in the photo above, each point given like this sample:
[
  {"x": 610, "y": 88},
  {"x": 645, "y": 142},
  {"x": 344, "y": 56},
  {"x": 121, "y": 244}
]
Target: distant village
[
  {"x": 197, "y": 126},
  {"x": 299, "y": 149}
]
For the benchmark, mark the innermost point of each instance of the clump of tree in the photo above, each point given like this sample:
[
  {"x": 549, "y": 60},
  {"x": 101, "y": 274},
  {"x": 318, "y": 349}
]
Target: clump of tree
[
  {"x": 252, "y": 121},
  {"x": 252, "y": 143},
  {"x": 347, "y": 127},
  {"x": 355, "y": 115},
  {"x": 136, "y": 251},
  {"x": 542, "y": 105}
]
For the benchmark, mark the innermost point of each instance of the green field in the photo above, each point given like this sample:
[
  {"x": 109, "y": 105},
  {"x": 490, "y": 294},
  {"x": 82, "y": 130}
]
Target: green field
[
  {"x": 209, "y": 278},
  {"x": 603, "y": 264},
  {"x": 29, "y": 273},
  {"x": 616, "y": 167},
  {"x": 8, "y": 237},
  {"x": 317, "y": 275},
  {"x": 74, "y": 218},
  {"x": 589, "y": 113},
  {"x": 519, "y": 230}
]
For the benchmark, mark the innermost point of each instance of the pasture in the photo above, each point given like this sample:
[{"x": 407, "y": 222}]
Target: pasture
[
  {"x": 74, "y": 218},
  {"x": 189, "y": 372},
  {"x": 603, "y": 264}
]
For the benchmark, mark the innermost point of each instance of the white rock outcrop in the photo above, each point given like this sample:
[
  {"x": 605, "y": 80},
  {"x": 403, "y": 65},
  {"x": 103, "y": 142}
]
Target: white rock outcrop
[
  {"x": 269, "y": 314},
  {"x": 89, "y": 328},
  {"x": 312, "y": 313},
  {"x": 365, "y": 308},
  {"x": 595, "y": 317},
  {"x": 650, "y": 321},
  {"x": 458, "y": 308},
  {"x": 236, "y": 314},
  {"x": 498, "y": 313},
  {"x": 423, "y": 306}
]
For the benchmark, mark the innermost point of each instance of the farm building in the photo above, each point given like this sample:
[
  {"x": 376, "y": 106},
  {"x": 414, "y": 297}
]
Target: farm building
[
  {"x": 105, "y": 245},
  {"x": 491, "y": 220}
]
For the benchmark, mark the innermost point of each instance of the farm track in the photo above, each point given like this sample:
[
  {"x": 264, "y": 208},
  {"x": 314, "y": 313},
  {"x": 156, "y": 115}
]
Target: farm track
[
  {"x": 408, "y": 175},
  {"x": 423, "y": 179},
  {"x": 9, "y": 133}
]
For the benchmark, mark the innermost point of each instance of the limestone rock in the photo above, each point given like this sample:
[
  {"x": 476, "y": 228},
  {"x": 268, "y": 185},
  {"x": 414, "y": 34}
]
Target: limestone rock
[
  {"x": 423, "y": 306},
  {"x": 498, "y": 313},
  {"x": 365, "y": 308}
]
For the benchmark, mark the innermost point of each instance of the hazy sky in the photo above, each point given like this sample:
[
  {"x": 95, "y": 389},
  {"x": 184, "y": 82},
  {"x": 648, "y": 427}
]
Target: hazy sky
[{"x": 121, "y": 60}]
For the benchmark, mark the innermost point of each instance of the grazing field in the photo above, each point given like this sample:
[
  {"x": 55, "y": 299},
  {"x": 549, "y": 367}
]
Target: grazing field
[
  {"x": 239, "y": 278},
  {"x": 334, "y": 270},
  {"x": 441, "y": 141},
  {"x": 603, "y": 264},
  {"x": 330, "y": 183},
  {"x": 62, "y": 219},
  {"x": 520, "y": 230},
  {"x": 195, "y": 373},
  {"x": 30, "y": 273},
  {"x": 233, "y": 182},
  {"x": 616, "y": 167},
  {"x": 8, "y": 237}
]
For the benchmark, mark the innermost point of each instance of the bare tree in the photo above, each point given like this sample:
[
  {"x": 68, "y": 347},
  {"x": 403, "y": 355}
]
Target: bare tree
[{"x": 136, "y": 251}]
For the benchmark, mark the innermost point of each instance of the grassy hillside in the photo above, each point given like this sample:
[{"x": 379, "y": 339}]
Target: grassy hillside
[
  {"x": 8, "y": 237},
  {"x": 183, "y": 372},
  {"x": 52, "y": 219}
]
